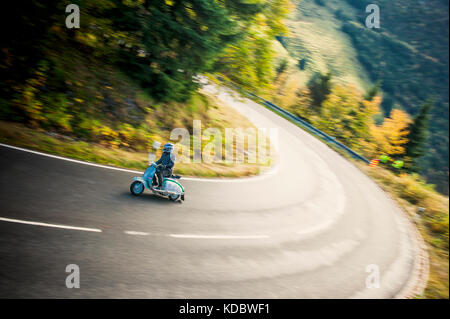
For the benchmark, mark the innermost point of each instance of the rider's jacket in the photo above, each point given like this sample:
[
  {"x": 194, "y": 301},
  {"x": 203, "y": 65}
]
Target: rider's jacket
[{"x": 167, "y": 159}]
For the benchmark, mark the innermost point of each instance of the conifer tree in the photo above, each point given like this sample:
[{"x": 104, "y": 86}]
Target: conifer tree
[
  {"x": 320, "y": 87},
  {"x": 373, "y": 91},
  {"x": 417, "y": 138}
]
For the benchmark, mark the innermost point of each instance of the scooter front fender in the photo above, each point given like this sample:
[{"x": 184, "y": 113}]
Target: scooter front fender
[{"x": 140, "y": 179}]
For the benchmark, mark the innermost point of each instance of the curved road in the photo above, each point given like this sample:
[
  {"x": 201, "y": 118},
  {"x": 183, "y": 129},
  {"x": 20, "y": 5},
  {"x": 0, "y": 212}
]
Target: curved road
[{"x": 307, "y": 229}]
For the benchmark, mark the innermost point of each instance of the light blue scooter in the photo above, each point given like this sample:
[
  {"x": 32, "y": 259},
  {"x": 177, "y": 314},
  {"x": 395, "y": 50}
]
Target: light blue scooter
[{"x": 171, "y": 188}]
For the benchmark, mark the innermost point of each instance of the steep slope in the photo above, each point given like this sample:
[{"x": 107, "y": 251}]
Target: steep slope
[{"x": 408, "y": 55}]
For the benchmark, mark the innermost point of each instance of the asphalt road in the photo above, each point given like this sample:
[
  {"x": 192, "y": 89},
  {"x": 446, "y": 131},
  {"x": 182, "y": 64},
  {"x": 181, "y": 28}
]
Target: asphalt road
[{"x": 307, "y": 229}]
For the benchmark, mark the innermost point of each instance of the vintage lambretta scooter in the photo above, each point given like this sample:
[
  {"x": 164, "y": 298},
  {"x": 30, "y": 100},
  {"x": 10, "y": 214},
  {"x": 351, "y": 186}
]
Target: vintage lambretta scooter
[{"x": 171, "y": 188}]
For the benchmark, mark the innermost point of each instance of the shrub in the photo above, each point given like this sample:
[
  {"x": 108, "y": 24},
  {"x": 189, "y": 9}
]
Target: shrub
[
  {"x": 56, "y": 112},
  {"x": 127, "y": 134},
  {"x": 88, "y": 128},
  {"x": 108, "y": 137},
  {"x": 413, "y": 188}
]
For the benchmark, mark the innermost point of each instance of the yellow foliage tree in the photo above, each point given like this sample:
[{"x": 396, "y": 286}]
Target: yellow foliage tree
[
  {"x": 347, "y": 116},
  {"x": 391, "y": 137}
]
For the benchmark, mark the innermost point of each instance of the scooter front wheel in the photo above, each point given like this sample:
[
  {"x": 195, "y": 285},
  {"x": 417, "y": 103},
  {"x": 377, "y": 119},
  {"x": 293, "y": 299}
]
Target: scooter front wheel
[
  {"x": 174, "y": 197},
  {"x": 137, "y": 188}
]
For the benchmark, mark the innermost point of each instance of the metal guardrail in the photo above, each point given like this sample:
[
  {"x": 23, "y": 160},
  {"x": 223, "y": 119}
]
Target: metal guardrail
[{"x": 302, "y": 123}]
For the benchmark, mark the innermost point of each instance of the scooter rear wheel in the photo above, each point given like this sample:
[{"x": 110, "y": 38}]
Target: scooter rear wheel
[{"x": 137, "y": 188}]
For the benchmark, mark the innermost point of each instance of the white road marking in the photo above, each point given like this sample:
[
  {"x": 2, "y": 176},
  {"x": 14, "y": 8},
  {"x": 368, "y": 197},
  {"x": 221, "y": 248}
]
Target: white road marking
[
  {"x": 271, "y": 171},
  {"x": 133, "y": 232},
  {"x": 218, "y": 236},
  {"x": 10, "y": 220},
  {"x": 138, "y": 233},
  {"x": 69, "y": 159}
]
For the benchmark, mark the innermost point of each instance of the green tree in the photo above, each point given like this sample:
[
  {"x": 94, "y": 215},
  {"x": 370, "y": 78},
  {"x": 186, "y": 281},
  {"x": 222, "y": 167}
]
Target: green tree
[
  {"x": 373, "y": 91},
  {"x": 249, "y": 61},
  {"x": 21, "y": 46},
  {"x": 282, "y": 66},
  {"x": 169, "y": 42},
  {"x": 319, "y": 87},
  {"x": 415, "y": 148}
]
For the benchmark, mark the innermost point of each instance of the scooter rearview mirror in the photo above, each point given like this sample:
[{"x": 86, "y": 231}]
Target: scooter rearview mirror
[{"x": 151, "y": 157}]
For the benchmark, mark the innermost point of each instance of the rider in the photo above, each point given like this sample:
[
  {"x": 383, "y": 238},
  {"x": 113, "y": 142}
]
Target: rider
[{"x": 167, "y": 162}]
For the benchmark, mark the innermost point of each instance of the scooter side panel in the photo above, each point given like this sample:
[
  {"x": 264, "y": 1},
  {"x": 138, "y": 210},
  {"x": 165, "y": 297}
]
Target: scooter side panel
[{"x": 172, "y": 186}]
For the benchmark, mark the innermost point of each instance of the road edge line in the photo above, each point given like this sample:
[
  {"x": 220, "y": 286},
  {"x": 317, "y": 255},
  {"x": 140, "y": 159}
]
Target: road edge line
[
  {"x": 273, "y": 169},
  {"x": 26, "y": 222}
]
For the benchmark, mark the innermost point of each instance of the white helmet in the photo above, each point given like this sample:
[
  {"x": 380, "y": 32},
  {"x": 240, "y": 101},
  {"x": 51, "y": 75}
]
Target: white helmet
[{"x": 168, "y": 147}]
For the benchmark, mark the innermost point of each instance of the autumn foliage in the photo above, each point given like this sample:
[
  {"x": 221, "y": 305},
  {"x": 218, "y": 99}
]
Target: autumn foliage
[{"x": 349, "y": 116}]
